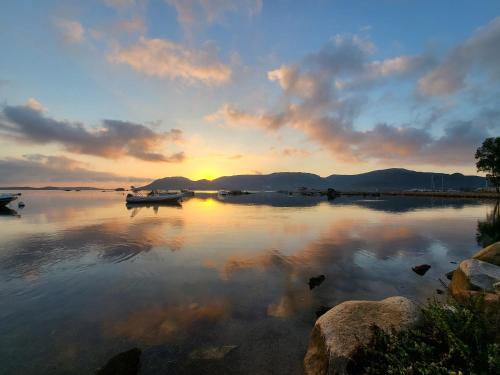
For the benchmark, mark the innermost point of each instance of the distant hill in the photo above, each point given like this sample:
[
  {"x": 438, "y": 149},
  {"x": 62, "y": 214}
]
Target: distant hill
[
  {"x": 49, "y": 188},
  {"x": 382, "y": 180}
]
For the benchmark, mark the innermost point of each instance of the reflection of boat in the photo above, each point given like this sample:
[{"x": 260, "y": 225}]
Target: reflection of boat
[
  {"x": 154, "y": 197},
  {"x": 155, "y": 206},
  {"x": 5, "y": 199},
  {"x": 5, "y": 211},
  {"x": 225, "y": 193}
]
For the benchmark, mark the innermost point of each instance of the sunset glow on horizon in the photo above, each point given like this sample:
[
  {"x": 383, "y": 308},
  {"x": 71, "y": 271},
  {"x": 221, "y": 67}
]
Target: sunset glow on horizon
[{"x": 120, "y": 92}]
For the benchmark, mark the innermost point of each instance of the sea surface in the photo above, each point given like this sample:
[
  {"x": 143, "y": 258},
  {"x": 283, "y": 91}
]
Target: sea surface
[{"x": 212, "y": 286}]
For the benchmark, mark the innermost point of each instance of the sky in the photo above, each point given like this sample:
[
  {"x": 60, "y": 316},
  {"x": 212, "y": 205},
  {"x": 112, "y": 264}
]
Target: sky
[{"x": 107, "y": 92}]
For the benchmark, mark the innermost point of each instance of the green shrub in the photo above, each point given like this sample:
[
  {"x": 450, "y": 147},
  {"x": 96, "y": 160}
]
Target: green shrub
[{"x": 452, "y": 339}]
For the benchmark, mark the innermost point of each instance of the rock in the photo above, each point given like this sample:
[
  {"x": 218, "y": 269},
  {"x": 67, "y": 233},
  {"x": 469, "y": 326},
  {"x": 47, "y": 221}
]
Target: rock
[
  {"x": 490, "y": 254},
  {"x": 341, "y": 332},
  {"x": 316, "y": 281},
  {"x": 473, "y": 274},
  {"x": 421, "y": 270},
  {"x": 439, "y": 291},
  {"x": 217, "y": 352},
  {"x": 125, "y": 363},
  {"x": 449, "y": 275}
]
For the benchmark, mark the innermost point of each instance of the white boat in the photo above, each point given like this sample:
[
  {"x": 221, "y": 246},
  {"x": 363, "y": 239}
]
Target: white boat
[
  {"x": 5, "y": 199},
  {"x": 154, "y": 197}
]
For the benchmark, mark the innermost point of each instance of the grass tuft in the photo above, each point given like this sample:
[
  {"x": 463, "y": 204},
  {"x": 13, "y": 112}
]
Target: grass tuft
[{"x": 452, "y": 339}]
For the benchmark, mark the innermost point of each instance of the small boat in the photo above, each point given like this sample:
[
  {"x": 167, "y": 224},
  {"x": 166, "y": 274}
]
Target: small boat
[
  {"x": 223, "y": 193},
  {"x": 5, "y": 199},
  {"x": 187, "y": 193},
  {"x": 154, "y": 197}
]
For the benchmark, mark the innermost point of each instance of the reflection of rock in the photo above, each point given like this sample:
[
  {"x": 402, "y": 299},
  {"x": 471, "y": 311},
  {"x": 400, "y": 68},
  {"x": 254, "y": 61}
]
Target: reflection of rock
[
  {"x": 421, "y": 270},
  {"x": 316, "y": 281},
  {"x": 478, "y": 275},
  {"x": 340, "y": 333},
  {"x": 126, "y": 363}
]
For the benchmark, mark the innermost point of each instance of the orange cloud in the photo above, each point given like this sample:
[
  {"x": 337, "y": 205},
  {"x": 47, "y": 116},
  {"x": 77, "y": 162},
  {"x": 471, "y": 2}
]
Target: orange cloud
[{"x": 166, "y": 59}]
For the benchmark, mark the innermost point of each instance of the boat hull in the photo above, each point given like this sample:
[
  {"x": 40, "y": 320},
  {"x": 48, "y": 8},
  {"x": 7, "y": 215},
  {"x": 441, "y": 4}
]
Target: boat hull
[{"x": 6, "y": 200}]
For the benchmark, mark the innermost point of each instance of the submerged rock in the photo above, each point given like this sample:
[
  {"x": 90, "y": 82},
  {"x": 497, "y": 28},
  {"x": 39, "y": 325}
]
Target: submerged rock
[
  {"x": 217, "y": 352},
  {"x": 421, "y": 270},
  {"x": 316, "y": 281},
  {"x": 341, "y": 332},
  {"x": 125, "y": 363}
]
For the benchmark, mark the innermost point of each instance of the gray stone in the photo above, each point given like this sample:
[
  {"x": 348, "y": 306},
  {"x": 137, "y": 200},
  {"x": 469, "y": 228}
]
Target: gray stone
[
  {"x": 341, "y": 332},
  {"x": 480, "y": 275}
]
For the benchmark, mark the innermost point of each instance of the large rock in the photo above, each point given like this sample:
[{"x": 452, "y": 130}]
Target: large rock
[
  {"x": 479, "y": 275},
  {"x": 341, "y": 332},
  {"x": 490, "y": 254},
  {"x": 475, "y": 277}
]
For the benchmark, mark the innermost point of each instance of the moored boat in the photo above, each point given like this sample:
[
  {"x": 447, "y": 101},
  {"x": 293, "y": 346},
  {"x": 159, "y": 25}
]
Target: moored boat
[
  {"x": 5, "y": 199},
  {"x": 187, "y": 193},
  {"x": 154, "y": 197}
]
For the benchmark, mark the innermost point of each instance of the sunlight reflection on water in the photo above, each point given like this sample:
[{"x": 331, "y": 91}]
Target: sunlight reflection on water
[{"x": 84, "y": 277}]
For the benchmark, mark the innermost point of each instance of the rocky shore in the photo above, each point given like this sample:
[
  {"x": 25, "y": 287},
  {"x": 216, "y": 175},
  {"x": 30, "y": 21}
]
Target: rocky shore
[{"x": 347, "y": 329}]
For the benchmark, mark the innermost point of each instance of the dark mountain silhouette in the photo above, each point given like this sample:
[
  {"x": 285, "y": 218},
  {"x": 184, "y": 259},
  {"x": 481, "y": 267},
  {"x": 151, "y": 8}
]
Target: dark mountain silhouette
[{"x": 382, "y": 180}]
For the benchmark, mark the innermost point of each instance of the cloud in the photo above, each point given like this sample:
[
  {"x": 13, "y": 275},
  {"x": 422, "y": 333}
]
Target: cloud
[
  {"x": 113, "y": 139},
  {"x": 72, "y": 31},
  {"x": 35, "y": 105},
  {"x": 479, "y": 51},
  {"x": 119, "y": 4},
  {"x": 192, "y": 14},
  {"x": 321, "y": 98},
  {"x": 166, "y": 59},
  {"x": 134, "y": 25},
  {"x": 48, "y": 169},
  {"x": 232, "y": 116},
  {"x": 295, "y": 152}
]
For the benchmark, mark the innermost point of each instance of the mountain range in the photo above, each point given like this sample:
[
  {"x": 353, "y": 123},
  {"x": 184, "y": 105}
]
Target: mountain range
[{"x": 381, "y": 180}]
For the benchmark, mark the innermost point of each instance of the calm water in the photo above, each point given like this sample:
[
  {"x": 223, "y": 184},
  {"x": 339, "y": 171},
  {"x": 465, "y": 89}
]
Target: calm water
[{"x": 83, "y": 277}]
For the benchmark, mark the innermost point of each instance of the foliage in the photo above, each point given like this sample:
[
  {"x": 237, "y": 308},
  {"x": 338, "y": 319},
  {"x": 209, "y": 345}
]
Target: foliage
[
  {"x": 453, "y": 339},
  {"x": 488, "y": 160},
  {"x": 488, "y": 231}
]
